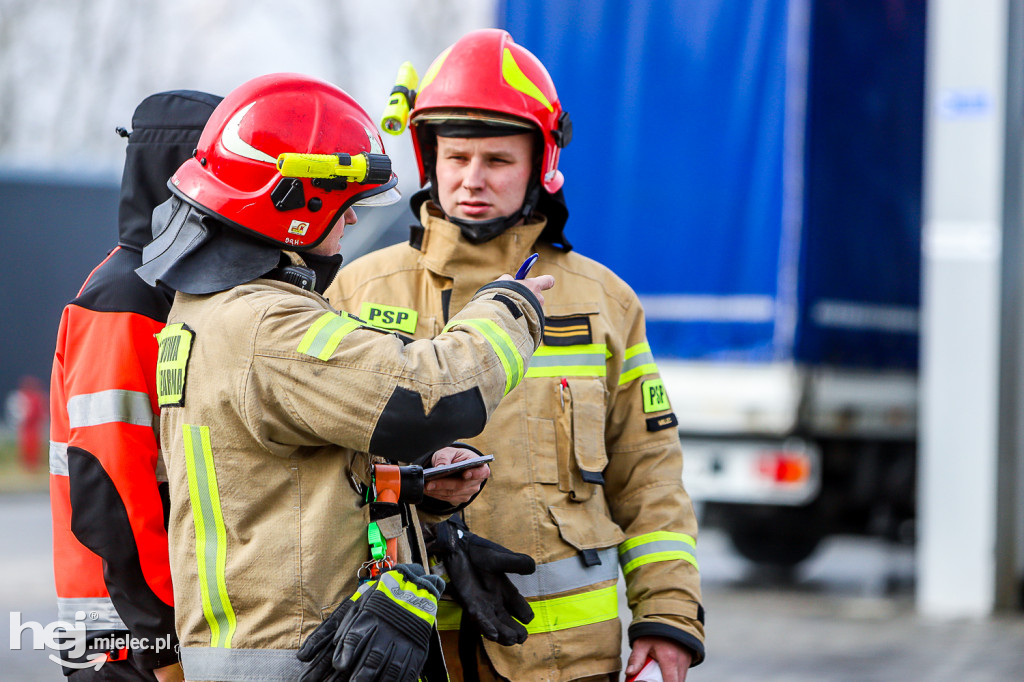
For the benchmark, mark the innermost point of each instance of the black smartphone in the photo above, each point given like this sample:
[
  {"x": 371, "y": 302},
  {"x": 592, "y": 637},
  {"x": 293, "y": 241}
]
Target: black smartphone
[{"x": 449, "y": 469}]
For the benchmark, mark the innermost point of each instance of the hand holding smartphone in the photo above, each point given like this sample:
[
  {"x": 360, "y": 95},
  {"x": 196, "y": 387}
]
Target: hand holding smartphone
[{"x": 456, "y": 467}]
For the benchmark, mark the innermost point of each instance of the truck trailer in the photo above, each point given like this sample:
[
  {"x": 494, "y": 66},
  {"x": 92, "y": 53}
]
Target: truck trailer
[{"x": 752, "y": 168}]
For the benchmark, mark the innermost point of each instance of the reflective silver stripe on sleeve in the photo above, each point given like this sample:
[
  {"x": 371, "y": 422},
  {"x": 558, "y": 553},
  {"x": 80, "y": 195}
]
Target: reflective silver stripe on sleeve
[
  {"x": 240, "y": 665},
  {"x": 98, "y": 613},
  {"x": 655, "y": 547},
  {"x": 638, "y": 360},
  {"x": 576, "y": 359},
  {"x": 106, "y": 407},
  {"x": 58, "y": 459},
  {"x": 567, "y": 574}
]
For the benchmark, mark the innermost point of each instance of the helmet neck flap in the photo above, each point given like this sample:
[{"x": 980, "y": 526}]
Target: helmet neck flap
[{"x": 195, "y": 253}]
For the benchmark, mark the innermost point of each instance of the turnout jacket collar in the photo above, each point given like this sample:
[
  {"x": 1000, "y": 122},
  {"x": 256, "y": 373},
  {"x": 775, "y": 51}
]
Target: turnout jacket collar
[{"x": 446, "y": 252}]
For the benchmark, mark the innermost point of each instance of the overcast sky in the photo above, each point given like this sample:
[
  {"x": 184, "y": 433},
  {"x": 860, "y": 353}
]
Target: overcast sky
[{"x": 71, "y": 71}]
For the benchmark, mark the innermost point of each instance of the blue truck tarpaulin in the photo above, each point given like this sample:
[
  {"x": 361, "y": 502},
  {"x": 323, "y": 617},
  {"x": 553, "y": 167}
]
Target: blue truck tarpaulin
[{"x": 748, "y": 166}]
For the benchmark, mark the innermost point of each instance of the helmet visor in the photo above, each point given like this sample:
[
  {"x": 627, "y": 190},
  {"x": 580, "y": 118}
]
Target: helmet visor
[
  {"x": 480, "y": 123},
  {"x": 383, "y": 195}
]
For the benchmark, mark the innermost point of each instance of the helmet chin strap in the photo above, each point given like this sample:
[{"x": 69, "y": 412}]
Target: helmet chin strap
[{"x": 481, "y": 231}]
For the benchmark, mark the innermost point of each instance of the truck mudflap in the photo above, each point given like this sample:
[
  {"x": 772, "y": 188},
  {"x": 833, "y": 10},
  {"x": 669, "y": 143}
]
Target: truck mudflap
[{"x": 783, "y": 472}]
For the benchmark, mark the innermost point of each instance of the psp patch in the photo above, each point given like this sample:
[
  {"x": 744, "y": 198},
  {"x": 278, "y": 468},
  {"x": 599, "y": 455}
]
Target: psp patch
[
  {"x": 389, "y": 317},
  {"x": 567, "y": 331},
  {"x": 175, "y": 342},
  {"x": 655, "y": 397}
]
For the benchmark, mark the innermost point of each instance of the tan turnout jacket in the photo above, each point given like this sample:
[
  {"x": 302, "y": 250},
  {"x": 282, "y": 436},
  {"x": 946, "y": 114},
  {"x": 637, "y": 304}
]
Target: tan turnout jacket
[
  {"x": 271, "y": 400},
  {"x": 587, "y": 474}
]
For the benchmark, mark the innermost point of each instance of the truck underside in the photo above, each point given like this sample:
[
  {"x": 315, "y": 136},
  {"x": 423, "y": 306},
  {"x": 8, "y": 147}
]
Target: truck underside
[{"x": 781, "y": 456}]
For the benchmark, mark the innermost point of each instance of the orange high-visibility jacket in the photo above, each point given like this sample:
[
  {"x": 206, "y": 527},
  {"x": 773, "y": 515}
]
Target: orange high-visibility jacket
[
  {"x": 109, "y": 539},
  {"x": 108, "y": 489}
]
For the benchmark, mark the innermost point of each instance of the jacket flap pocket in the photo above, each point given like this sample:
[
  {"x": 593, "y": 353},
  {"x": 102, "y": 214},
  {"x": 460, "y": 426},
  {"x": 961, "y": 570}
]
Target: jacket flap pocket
[
  {"x": 583, "y": 529},
  {"x": 588, "y": 428}
]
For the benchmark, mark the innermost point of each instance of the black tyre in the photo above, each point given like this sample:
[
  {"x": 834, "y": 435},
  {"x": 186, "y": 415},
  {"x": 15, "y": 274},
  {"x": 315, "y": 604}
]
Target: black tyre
[
  {"x": 775, "y": 536},
  {"x": 781, "y": 551}
]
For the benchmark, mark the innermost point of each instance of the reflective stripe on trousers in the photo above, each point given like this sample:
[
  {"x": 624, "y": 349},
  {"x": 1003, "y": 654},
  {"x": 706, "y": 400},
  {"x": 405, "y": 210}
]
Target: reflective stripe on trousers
[{"x": 240, "y": 665}]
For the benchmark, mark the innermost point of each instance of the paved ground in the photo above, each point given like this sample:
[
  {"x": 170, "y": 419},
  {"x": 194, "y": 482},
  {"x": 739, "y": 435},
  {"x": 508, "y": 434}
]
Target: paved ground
[{"x": 847, "y": 614}]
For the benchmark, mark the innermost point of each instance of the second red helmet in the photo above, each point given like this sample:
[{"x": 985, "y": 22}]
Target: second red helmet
[{"x": 486, "y": 71}]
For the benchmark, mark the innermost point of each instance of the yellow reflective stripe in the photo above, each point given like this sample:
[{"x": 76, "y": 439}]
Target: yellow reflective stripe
[
  {"x": 659, "y": 556},
  {"x": 637, "y": 362},
  {"x": 581, "y": 349},
  {"x": 504, "y": 348},
  {"x": 323, "y": 337},
  {"x": 211, "y": 536},
  {"x": 584, "y": 360},
  {"x": 654, "y": 547},
  {"x": 515, "y": 77},
  {"x": 449, "y": 614},
  {"x": 416, "y": 600},
  {"x": 432, "y": 70},
  {"x": 562, "y": 613},
  {"x": 551, "y": 615}
]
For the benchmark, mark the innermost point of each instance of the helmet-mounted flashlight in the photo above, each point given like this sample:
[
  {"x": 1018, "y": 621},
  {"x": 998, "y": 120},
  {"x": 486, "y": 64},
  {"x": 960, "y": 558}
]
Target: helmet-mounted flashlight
[
  {"x": 401, "y": 100},
  {"x": 364, "y": 168}
]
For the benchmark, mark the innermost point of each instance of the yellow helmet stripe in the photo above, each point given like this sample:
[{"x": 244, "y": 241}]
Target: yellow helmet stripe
[
  {"x": 431, "y": 73},
  {"x": 515, "y": 77}
]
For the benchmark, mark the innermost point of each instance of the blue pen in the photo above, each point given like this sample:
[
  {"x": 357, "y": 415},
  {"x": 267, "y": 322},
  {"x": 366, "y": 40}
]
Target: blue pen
[{"x": 524, "y": 269}]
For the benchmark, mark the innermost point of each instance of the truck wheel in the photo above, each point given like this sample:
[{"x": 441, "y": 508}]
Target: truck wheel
[
  {"x": 777, "y": 536},
  {"x": 784, "y": 552}
]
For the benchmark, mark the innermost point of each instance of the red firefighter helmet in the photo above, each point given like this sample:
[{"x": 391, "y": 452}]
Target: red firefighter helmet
[
  {"x": 234, "y": 172},
  {"x": 485, "y": 77}
]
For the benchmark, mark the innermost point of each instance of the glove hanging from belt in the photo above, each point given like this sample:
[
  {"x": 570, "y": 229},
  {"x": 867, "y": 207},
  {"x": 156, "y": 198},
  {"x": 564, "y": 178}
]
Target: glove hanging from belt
[
  {"x": 476, "y": 570},
  {"x": 382, "y": 632}
]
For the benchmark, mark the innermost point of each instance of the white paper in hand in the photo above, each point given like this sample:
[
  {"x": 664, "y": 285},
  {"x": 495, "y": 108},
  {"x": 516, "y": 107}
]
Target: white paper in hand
[{"x": 650, "y": 672}]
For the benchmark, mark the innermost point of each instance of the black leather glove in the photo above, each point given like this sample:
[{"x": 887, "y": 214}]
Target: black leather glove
[
  {"x": 318, "y": 649},
  {"x": 476, "y": 570},
  {"x": 381, "y": 633}
]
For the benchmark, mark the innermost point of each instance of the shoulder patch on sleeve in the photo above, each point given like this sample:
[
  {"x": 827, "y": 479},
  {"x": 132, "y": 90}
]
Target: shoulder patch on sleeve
[
  {"x": 665, "y": 421},
  {"x": 172, "y": 363},
  {"x": 567, "y": 331},
  {"x": 389, "y": 317},
  {"x": 655, "y": 397}
]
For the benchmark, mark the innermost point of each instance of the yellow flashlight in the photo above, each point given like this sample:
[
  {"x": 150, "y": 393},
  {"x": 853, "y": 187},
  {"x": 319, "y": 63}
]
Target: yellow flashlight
[
  {"x": 401, "y": 100},
  {"x": 364, "y": 168}
]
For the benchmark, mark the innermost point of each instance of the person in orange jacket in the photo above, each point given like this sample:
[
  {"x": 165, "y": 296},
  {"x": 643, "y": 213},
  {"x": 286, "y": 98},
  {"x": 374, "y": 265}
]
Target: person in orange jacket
[{"x": 108, "y": 486}]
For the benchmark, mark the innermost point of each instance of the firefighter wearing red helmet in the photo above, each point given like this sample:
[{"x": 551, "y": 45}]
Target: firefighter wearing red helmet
[
  {"x": 275, "y": 405},
  {"x": 588, "y": 470}
]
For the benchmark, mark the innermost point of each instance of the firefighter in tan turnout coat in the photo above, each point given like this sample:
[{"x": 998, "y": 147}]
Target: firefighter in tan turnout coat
[
  {"x": 274, "y": 403},
  {"x": 588, "y": 467}
]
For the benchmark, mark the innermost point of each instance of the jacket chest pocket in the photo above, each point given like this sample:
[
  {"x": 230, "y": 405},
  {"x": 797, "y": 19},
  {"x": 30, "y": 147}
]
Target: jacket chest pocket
[{"x": 579, "y": 436}]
